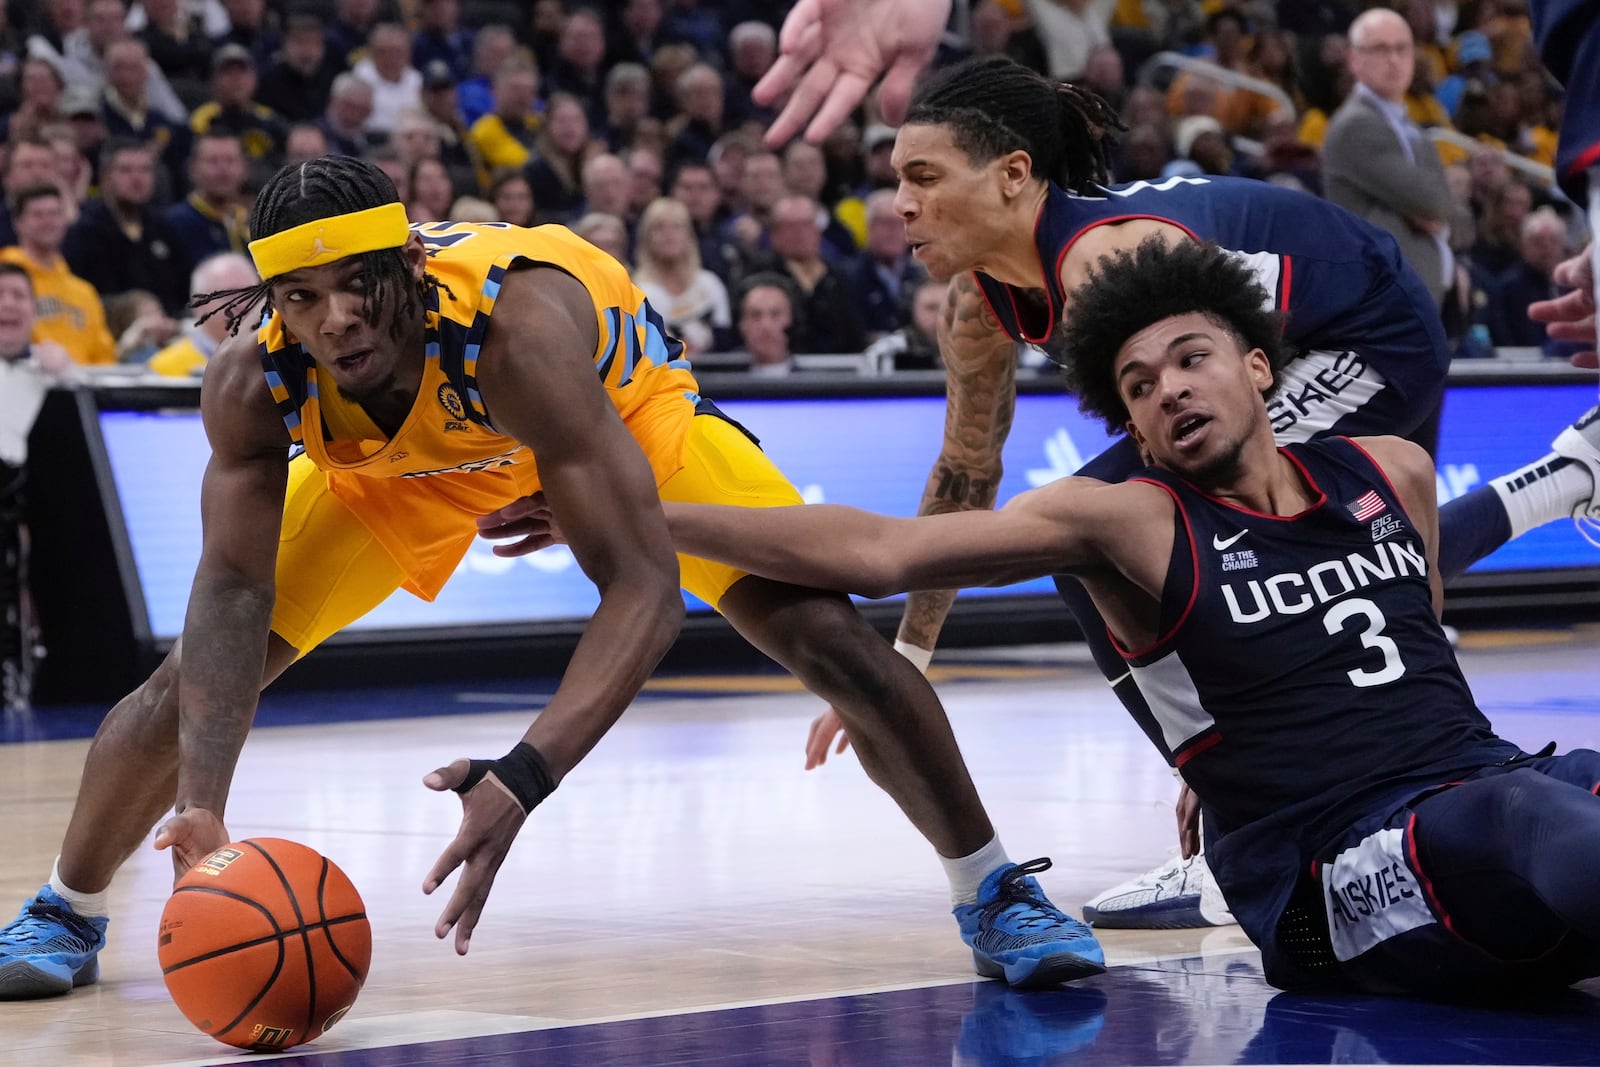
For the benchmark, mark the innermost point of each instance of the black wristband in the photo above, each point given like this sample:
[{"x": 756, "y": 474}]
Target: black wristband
[{"x": 522, "y": 771}]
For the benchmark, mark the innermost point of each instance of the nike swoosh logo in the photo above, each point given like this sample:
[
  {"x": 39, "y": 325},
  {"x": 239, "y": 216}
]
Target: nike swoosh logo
[{"x": 1219, "y": 544}]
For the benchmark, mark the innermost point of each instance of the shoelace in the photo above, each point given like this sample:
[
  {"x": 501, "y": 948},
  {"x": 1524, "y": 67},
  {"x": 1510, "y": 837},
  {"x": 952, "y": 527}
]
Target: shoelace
[
  {"x": 1013, "y": 890},
  {"x": 33, "y": 926}
]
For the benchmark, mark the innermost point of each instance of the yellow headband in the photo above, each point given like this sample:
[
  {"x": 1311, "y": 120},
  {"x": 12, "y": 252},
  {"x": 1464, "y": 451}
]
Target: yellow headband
[{"x": 322, "y": 241}]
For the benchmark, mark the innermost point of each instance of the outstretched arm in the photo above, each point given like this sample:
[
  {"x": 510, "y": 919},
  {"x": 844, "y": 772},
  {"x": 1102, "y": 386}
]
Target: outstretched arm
[
  {"x": 596, "y": 477},
  {"x": 538, "y": 379},
  {"x": 1071, "y": 523},
  {"x": 832, "y": 51},
  {"x": 230, "y": 604}
]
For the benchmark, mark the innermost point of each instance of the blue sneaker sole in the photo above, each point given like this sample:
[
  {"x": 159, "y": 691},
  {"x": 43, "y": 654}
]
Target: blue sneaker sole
[
  {"x": 1039, "y": 973},
  {"x": 21, "y": 980},
  {"x": 1181, "y": 914}
]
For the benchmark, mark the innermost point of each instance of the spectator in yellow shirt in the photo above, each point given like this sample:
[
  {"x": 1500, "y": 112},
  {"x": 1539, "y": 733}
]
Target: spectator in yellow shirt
[
  {"x": 188, "y": 355},
  {"x": 67, "y": 310},
  {"x": 505, "y": 135}
]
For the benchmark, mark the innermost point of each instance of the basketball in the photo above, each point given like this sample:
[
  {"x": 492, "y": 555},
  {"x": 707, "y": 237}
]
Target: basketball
[{"x": 264, "y": 944}]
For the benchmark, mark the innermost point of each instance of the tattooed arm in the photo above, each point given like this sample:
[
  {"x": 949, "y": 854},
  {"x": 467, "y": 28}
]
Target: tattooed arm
[
  {"x": 230, "y": 604},
  {"x": 980, "y": 401}
]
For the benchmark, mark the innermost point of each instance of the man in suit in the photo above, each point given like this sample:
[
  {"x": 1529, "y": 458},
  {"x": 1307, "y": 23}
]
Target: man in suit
[{"x": 1378, "y": 164}]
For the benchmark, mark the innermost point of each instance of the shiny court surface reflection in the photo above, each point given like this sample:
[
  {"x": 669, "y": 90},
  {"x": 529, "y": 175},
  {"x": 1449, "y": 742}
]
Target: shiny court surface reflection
[{"x": 691, "y": 896}]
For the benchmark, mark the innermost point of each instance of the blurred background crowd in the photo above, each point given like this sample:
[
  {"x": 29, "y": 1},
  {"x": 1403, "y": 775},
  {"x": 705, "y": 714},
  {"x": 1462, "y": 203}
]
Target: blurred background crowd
[{"x": 135, "y": 135}]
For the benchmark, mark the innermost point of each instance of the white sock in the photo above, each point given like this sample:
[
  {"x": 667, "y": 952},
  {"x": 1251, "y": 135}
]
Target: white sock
[
  {"x": 967, "y": 873},
  {"x": 89, "y": 905},
  {"x": 1542, "y": 492}
]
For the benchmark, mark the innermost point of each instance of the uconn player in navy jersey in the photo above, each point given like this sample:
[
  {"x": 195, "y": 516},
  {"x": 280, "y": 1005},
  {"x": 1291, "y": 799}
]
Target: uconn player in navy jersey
[
  {"x": 1365, "y": 823},
  {"x": 1002, "y": 186}
]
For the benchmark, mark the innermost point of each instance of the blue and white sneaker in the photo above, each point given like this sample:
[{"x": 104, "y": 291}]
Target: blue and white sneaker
[
  {"x": 1015, "y": 932},
  {"x": 1580, "y": 443},
  {"x": 49, "y": 949},
  {"x": 1180, "y": 894}
]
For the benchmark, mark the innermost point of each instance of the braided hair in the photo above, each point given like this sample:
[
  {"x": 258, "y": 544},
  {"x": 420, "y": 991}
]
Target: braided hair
[
  {"x": 994, "y": 105},
  {"x": 318, "y": 189},
  {"x": 1131, "y": 291}
]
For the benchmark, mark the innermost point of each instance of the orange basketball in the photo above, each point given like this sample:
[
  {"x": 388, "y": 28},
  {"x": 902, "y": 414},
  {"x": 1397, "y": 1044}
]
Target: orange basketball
[{"x": 265, "y": 944}]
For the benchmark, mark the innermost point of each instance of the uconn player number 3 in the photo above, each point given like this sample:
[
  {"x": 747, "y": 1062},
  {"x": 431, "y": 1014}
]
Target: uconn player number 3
[{"x": 1364, "y": 610}]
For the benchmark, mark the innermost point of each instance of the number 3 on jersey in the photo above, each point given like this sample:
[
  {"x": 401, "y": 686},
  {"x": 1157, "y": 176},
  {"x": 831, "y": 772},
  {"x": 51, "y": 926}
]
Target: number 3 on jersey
[{"x": 1372, "y": 637}]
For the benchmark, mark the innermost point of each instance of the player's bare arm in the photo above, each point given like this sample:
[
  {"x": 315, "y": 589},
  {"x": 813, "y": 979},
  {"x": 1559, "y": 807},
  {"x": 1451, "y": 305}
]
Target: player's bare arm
[
  {"x": 1411, "y": 471},
  {"x": 538, "y": 379},
  {"x": 1070, "y": 525},
  {"x": 230, "y": 605},
  {"x": 980, "y": 403}
]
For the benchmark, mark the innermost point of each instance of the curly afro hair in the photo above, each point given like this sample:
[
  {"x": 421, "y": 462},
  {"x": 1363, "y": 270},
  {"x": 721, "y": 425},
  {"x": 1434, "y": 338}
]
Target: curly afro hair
[{"x": 1130, "y": 291}]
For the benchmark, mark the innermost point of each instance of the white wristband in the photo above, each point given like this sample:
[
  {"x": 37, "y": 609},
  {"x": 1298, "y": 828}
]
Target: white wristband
[{"x": 920, "y": 657}]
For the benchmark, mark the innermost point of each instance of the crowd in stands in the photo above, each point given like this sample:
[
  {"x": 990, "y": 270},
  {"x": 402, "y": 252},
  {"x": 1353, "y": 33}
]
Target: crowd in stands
[{"x": 134, "y": 137}]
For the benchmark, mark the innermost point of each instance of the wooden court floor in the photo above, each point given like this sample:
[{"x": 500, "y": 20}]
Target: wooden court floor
[{"x": 690, "y": 876}]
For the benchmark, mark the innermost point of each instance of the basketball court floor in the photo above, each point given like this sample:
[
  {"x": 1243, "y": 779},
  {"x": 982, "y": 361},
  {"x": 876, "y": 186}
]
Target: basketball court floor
[{"x": 691, "y": 896}]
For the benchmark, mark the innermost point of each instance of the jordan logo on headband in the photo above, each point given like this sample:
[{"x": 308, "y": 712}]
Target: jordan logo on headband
[{"x": 352, "y": 233}]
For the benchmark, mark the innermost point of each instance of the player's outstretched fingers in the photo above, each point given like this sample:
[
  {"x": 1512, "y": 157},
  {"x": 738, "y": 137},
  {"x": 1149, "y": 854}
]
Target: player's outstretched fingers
[
  {"x": 894, "y": 93},
  {"x": 803, "y": 102},
  {"x": 846, "y": 91},
  {"x": 454, "y": 855},
  {"x": 466, "y": 904}
]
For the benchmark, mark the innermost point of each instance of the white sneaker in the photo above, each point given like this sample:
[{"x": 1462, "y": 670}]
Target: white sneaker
[
  {"x": 1179, "y": 894},
  {"x": 1580, "y": 442}
]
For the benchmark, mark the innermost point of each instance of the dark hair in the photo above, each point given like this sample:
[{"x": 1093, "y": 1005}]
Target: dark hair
[
  {"x": 418, "y": 163},
  {"x": 771, "y": 279},
  {"x": 16, "y": 270},
  {"x": 505, "y": 178},
  {"x": 215, "y": 133},
  {"x": 687, "y": 165},
  {"x": 116, "y": 146},
  {"x": 994, "y": 105},
  {"x": 29, "y": 193},
  {"x": 1130, "y": 291},
  {"x": 318, "y": 189}
]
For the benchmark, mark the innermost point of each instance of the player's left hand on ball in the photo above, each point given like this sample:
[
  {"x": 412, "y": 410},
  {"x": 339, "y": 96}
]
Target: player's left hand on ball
[
  {"x": 529, "y": 519},
  {"x": 192, "y": 835},
  {"x": 490, "y": 820}
]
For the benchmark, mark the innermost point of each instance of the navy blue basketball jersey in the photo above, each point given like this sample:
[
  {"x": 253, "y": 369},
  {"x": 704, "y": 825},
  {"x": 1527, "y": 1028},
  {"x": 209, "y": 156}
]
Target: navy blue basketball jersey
[
  {"x": 1301, "y": 660},
  {"x": 1339, "y": 281},
  {"x": 1304, "y": 685}
]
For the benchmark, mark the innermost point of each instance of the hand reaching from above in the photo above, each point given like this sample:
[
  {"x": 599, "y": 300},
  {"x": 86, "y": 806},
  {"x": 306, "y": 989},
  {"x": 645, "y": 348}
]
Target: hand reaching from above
[{"x": 832, "y": 51}]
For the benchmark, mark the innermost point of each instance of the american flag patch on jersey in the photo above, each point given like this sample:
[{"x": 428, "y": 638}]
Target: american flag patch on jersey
[{"x": 1366, "y": 505}]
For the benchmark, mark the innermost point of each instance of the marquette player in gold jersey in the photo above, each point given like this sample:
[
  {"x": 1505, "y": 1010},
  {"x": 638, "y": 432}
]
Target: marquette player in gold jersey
[{"x": 433, "y": 376}]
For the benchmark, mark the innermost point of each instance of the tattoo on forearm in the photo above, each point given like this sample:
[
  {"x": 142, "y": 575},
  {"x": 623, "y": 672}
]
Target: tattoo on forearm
[
  {"x": 924, "y": 617},
  {"x": 959, "y": 487},
  {"x": 221, "y": 678},
  {"x": 980, "y": 362}
]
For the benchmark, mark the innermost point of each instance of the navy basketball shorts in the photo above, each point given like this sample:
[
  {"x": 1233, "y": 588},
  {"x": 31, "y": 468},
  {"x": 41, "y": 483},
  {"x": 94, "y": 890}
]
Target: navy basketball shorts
[{"x": 1486, "y": 886}]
